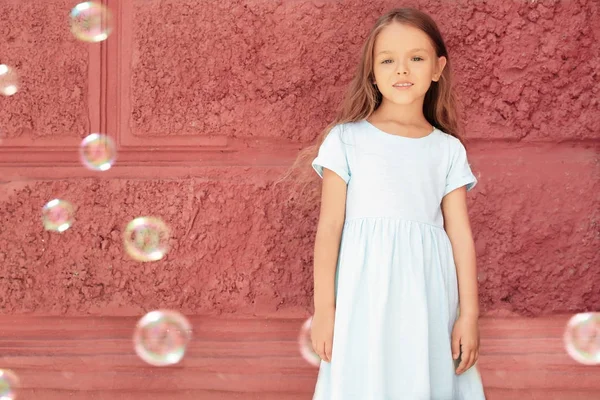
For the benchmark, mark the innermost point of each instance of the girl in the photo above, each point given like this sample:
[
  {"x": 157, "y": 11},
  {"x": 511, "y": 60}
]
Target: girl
[{"x": 394, "y": 256}]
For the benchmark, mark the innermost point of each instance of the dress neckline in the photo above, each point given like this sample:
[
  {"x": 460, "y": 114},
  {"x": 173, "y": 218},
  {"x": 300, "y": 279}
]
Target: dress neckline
[{"x": 399, "y": 136}]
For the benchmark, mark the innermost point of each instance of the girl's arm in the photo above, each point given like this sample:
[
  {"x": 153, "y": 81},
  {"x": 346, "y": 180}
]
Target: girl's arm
[
  {"x": 327, "y": 241},
  {"x": 457, "y": 226}
]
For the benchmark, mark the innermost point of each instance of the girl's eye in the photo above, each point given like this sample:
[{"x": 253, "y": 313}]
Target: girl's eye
[
  {"x": 385, "y": 61},
  {"x": 417, "y": 58}
]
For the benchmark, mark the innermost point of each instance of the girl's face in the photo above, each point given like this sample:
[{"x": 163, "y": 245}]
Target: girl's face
[{"x": 403, "y": 53}]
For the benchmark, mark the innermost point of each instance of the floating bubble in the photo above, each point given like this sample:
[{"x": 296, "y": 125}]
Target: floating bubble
[
  {"x": 58, "y": 216},
  {"x": 91, "y": 22},
  {"x": 9, "y": 81},
  {"x": 98, "y": 152},
  {"x": 161, "y": 337},
  {"x": 146, "y": 239},
  {"x": 582, "y": 338},
  {"x": 305, "y": 343},
  {"x": 9, "y": 382}
]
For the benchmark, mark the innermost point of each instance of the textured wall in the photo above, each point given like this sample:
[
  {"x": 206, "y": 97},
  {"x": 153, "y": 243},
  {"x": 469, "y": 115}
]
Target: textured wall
[
  {"x": 236, "y": 246},
  {"x": 266, "y": 76},
  {"x": 52, "y": 68}
]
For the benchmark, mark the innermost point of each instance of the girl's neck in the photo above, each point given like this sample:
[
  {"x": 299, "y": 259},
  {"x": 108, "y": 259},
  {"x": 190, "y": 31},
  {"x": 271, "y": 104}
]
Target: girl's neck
[{"x": 401, "y": 114}]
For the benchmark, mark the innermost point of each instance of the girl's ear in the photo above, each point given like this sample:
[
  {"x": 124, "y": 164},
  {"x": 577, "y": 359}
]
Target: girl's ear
[{"x": 441, "y": 65}]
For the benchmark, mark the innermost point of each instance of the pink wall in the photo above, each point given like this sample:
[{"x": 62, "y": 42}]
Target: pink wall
[{"x": 210, "y": 101}]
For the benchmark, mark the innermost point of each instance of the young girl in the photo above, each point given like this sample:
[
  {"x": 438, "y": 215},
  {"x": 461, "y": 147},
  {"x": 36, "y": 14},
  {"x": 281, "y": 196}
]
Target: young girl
[{"x": 394, "y": 256}]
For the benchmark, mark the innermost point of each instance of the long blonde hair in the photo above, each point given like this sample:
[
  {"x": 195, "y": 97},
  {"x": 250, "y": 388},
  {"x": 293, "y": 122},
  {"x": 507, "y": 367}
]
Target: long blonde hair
[{"x": 363, "y": 97}]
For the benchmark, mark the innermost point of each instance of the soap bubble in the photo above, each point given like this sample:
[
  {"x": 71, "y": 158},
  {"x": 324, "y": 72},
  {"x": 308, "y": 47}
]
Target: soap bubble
[
  {"x": 98, "y": 152},
  {"x": 146, "y": 239},
  {"x": 161, "y": 337},
  {"x": 9, "y": 382},
  {"x": 582, "y": 338},
  {"x": 305, "y": 342},
  {"x": 91, "y": 22},
  {"x": 58, "y": 216},
  {"x": 9, "y": 81}
]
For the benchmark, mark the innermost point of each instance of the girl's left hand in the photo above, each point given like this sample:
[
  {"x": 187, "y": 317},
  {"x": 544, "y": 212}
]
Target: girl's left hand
[{"x": 465, "y": 342}]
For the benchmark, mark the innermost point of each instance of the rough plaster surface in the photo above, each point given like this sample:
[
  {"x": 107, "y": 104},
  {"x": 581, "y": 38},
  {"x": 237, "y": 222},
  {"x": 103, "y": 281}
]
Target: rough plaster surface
[
  {"x": 525, "y": 69},
  {"x": 529, "y": 76},
  {"x": 235, "y": 247},
  {"x": 52, "y": 101}
]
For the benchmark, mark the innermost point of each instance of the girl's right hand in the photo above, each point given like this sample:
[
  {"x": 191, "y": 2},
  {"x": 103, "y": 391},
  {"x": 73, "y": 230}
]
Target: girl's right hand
[{"x": 321, "y": 333}]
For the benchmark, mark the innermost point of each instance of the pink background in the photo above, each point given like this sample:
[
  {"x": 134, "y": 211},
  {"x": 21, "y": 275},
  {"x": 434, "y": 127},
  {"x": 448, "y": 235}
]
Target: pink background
[{"x": 210, "y": 101}]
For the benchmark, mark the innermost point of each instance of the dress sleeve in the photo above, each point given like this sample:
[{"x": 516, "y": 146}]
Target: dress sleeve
[
  {"x": 332, "y": 155},
  {"x": 459, "y": 173}
]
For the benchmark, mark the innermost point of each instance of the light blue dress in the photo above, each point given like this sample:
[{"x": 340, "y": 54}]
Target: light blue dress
[{"x": 396, "y": 283}]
